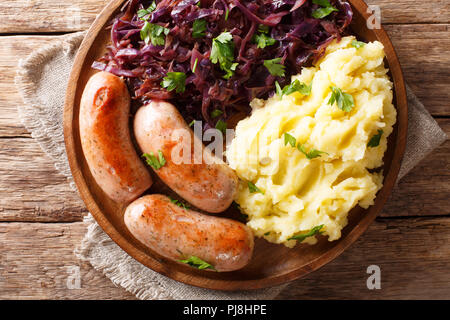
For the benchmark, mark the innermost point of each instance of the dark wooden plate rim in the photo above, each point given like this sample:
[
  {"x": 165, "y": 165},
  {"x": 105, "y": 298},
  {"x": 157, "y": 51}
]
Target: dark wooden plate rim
[{"x": 197, "y": 279}]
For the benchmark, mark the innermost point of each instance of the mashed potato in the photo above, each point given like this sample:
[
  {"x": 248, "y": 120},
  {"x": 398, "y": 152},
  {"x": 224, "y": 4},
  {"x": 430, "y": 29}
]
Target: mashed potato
[{"x": 297, "y": 193}]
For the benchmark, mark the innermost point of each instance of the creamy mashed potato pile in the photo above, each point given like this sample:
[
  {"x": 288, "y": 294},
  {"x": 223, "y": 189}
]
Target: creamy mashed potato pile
[{"x": 297, "y": 193}]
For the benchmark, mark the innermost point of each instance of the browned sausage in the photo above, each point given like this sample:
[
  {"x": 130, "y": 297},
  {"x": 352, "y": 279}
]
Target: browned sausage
[
  {"x": 105, "y": 139},
  {"x": 209, "y": 184},
  {"x": 178, "y": 233}
]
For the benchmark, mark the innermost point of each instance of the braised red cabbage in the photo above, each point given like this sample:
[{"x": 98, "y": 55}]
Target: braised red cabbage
[{"x": 300, "y": 38}]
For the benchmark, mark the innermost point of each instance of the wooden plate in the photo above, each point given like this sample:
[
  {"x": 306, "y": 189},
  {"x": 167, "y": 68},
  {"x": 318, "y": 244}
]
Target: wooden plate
[{"x": 271, "y": 264}]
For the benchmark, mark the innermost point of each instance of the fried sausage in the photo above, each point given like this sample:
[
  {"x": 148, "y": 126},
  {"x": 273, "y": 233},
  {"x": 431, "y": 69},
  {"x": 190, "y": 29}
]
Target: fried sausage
[
  {"x": 105, "y": 139},
  {"x": 178, "y": 233},
  {"x": 208, "y": 183}
]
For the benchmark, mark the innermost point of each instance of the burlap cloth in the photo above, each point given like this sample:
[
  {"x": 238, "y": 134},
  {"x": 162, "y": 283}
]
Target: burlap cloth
[{"x": 42, "y": 79}]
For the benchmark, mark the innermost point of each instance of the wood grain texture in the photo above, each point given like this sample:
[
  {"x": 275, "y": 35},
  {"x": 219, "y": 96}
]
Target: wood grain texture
[
  {"x": 414, "y": 265},
  {"x": 31, "y": 188},
  {"x": 39, "y": 16}
]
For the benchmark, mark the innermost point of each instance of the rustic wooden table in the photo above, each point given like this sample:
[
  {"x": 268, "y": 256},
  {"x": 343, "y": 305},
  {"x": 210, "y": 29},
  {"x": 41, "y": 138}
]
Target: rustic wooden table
[{"x": 41, "y": 217}]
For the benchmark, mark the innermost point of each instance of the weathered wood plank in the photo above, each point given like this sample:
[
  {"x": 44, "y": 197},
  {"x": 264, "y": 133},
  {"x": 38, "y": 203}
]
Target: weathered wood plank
[
  {"x": 422, "y": 51},
  {"x": 426, "y": 189},
  {"x": 31, "y": 189},
  {"x": 37, "y": 262},
  {"x": 38, "y": 16},
  {"x": 413, "y": 255}
]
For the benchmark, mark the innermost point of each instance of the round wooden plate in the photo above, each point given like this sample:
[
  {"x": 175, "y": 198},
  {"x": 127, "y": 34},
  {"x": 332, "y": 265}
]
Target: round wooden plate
[{"x": 271, "y": 264}]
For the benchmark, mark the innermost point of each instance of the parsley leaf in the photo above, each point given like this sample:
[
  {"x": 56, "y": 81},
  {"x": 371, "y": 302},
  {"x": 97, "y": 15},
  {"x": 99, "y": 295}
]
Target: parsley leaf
[
  {"x": 221, "y": 126},
  {"x": 375, "y": 140},
  {"x": 312, "y": 232},
  {"x": 289, "y": 139},
  {"x": 199, "y": 28},
  {"x": 262, "y": 40},
  {"x": 198, "y": 263},
  {"x": 297, "y": 86},
  {"x": 344, "y": 100},
  {"x": 267, "y": 233},
  {"x": 222, "y": 52},
  {"x": 313, "y": 153},
  {"x": 155, "y": 163},
  {"x": 278, "y": 89},
  {"x": 179, "y": 203},
  {"x": 154, "y": 33},
  {"x": 216, "y": 113},
  {"x": 195, "y": 65},
  {"x": 174, "y": 80},
  {"x": 358, "y": 44},
  {"x": 253, "y": 188},
  {"x": 143, "y": 12},
  {"x": 274, "y": 67},
  {"x": 326, "y": 9}
]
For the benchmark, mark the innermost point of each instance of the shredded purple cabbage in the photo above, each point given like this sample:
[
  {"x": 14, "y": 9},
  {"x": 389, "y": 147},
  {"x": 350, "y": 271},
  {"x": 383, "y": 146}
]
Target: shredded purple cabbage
[{"x": 300, "y": 40}]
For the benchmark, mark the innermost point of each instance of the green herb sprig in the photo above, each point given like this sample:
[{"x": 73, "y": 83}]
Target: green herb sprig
[
  {"x": 275, "y": 67},
  {"x": 312, "y": 232},
  {"x": 198, "y": 263},
  {"x": 253, "y": 188},
  {"x": 222, "y": 52},
  {"x": 295, "y": 86},
  {"x": 313, "y": 153},
  {"x": 343, "y": 100},
  {"x": 174, "y": 81},
  {"x": 153, "y": 161},
  {"x": 375, "y": 140},
  {"x": 325, "y": 10}
]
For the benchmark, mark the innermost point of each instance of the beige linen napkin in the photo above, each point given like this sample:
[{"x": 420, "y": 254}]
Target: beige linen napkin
[{"x": 42, "y": 79}]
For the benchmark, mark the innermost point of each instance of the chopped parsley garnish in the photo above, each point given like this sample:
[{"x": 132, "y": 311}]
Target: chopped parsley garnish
[
  {"x": 179, "y": 203},
  {"x": 252, "y": 188},
  {"x": 313, "y": 153},
  {"x": 174, "y": 81},
  {"x": 144, "y": 12},
  {"x": 195, "y": 65},
  {"x": 267, "y": 233},
  {"x": 274, "y": 67},
  {"x": 154, "y": 33},
  {"x": 344, "y": 100},
  {"x": 262, "y": 40},
  {"x": 289, "y": 139},
  {"x": 216, "y": 113},
  {"x": 297, "y": 86},
  {"x": 153, "y": 161},
  {"x": 222, "y": 52},
  {"x": 375, "y": 140},
  {"x": 325, "y": 10},
  {"x": 199, "y": 28},
  {"x": 312, "y": 232},
  {"x": 198, "y": 263},
  {"x": 358, "y": 44},
  {"x": 227, "y": 12},
  {"x": 192, "y": 123},
  {"x": 221, "y": 126}
]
